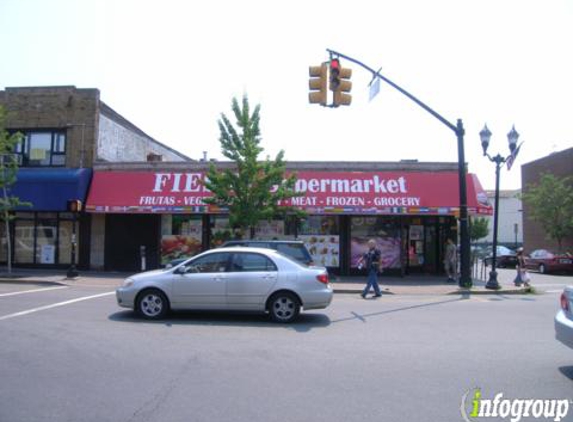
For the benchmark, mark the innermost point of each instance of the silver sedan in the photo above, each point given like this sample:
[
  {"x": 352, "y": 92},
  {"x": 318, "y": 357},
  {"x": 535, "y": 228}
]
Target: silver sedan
[
  {"x": 246, "y": 279},
  {"x": 564, "y": 319}
]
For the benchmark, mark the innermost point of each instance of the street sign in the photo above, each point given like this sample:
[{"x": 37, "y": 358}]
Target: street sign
[{"x": 374, "y": 88}]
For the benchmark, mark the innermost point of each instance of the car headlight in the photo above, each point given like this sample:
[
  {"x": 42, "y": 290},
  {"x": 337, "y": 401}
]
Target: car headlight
[{"x": 128, "y": 282}]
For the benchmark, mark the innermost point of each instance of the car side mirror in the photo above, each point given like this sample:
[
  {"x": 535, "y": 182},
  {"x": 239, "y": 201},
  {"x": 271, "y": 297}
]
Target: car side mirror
[{"x": 180, "y": 270}]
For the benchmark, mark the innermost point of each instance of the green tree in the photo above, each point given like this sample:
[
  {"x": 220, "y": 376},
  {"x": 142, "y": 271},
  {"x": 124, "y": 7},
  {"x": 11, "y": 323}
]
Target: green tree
[
  {"x": 253, "y": 190},
  {"x": 8, "y": 172},
  {"x": 479, "y": 228},
  {"x": 550, "y": 204}
]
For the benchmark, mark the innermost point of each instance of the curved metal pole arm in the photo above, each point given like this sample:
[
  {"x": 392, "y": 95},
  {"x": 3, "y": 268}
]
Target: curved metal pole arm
[{"x": 400, "y": 89}]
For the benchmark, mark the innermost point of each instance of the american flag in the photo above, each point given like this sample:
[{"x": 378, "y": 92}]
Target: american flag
[{"x": 512, "y": 157}]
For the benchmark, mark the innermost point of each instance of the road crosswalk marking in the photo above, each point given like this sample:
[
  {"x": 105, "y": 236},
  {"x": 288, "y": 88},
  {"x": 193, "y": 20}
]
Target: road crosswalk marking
[
  {"x": 55, "y": 305},
  {"x": 23, "y": 292}
]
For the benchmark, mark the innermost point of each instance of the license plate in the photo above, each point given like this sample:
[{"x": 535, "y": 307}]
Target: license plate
[{"x": 565, "y": 261}]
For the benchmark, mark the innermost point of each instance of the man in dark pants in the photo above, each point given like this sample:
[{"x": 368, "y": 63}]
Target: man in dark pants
[{"x": 371, "y": 261}]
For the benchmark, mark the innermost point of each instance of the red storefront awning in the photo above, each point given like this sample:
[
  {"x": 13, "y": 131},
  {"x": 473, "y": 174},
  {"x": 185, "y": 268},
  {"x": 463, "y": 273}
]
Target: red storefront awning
[{"x": 323, "y": 192}]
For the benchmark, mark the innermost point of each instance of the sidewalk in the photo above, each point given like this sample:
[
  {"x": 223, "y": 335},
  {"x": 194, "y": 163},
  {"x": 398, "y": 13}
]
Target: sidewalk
[{"x": 409, "y": 285}]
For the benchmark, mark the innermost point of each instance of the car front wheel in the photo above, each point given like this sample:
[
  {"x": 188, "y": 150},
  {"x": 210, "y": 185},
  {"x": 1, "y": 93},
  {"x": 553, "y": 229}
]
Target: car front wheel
[
  {"x": 284, "y": 307},
  {"x": 542, "y": 269},
  {"x": 152, "y": 304}
]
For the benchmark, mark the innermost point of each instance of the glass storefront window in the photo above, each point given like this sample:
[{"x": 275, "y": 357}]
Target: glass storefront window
[
  {"x": 384, "y": 230},
  {"x": 220, "y": 231},
  {"x": 270, "y": 230},
  {"x": 46, "y": 236},
  {"x": 321, "y": 235},
  {"x": 42, "y": 239},
  {"x": 3, "y": 243},
  {"x": 181, "y": 237},
  {"x": 65, "y": 239},
  {"x": 24, "y": 234}
]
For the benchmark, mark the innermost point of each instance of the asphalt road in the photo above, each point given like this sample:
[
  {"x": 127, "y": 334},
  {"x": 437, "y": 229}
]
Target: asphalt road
[{"x": 70, "y": 354}]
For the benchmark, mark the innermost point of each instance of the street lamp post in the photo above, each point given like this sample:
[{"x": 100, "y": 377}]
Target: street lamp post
[{"x": 485, "y": 136}]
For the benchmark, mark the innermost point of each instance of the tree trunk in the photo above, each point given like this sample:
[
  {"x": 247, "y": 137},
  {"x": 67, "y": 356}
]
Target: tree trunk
[{"x": 7, "y": 234}]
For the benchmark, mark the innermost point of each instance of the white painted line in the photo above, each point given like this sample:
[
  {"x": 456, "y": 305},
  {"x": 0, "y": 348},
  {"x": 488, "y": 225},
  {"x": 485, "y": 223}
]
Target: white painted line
[
  {"x": 55, "y": 305},
  {"x": 23, "y": 292},
  {"x": 554, "y": 291}
]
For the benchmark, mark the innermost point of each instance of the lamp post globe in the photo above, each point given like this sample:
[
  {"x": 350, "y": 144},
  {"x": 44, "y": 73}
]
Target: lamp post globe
[{"x": 512, "y": 138}]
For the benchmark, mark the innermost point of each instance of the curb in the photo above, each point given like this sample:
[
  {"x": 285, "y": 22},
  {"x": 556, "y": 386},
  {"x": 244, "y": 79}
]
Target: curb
[
  {"x": 492, "y": 292},
  {"x": 31, "y": 281},
  {"x": 335, "y": 289},
  {"x": 358, "y": 291}
]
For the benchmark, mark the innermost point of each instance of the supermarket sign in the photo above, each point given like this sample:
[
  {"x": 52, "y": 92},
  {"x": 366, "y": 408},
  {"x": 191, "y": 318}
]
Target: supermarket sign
[{"x": 321, "y": 193}]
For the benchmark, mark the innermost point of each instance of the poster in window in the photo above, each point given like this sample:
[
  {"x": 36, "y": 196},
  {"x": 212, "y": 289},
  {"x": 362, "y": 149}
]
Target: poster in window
[
  {"x": 48, "y": 254},
  {"x": 416, "y": 232},
  {"x": 324, "y": 249},
  {"x": 38, "y": 154}
]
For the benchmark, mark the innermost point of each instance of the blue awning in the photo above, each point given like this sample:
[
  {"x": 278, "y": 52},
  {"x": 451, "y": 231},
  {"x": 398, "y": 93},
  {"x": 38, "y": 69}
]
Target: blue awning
[{"x": 49, "y": 189}]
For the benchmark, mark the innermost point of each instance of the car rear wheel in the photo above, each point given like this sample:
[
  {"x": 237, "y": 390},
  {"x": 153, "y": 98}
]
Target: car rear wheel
[
  {"x": 542, "y": 268},
  {"x": 284, "y": 307},
  {"x": 152, "y": 304}
]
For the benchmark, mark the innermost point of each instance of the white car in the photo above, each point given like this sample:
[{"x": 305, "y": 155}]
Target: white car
[
  {"x": 564, "y": 319},
  {"x": 235, "y": 278}
]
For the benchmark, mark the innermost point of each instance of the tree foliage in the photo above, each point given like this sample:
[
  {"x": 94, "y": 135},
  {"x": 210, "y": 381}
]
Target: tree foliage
[
  {"x": 479, "y": 228},
  {"x": 253, "y": 190},
  {"x": 8, "y": 173},
  {"x": 550, "y": 204}
]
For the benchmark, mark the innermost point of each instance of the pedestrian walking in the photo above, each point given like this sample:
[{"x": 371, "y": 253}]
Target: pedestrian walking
[
  {"x": 372, "y": 262},
  {"x": 451, "y": 260},
  {"x": 522, "y": 277}
]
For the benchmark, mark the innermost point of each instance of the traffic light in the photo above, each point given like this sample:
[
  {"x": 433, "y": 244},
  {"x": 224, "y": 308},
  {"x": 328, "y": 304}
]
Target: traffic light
[
  {"x": 317, "y": 84},
  {"x": 74, "y": 205},
  {"x": 340, "y": 83}
]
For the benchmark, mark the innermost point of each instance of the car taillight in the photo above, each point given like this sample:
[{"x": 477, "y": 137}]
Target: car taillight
[
  {"x": 564, "y": 302},
  {"x": 323, "y": 278}
]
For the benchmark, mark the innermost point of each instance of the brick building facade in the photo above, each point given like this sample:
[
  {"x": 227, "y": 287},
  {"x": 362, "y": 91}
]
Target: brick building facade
[
  {"x": 65, "y": 131},
  {"x": 559, "y": 164},
  {"x": 93, "y": 130}
]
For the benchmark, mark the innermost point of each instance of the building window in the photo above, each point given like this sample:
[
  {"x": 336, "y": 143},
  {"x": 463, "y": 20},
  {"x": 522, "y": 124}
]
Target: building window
[
  {"x": 320, "y": 234},
  {"x": 384, "y": 230},
  {"x": 42, "y": 149},
  {"x": 41, "y": 239},
  {"x": 181, "y": 236}
]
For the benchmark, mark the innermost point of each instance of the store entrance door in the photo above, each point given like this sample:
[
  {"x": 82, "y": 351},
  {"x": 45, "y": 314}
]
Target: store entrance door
[
  {"x": 128, "y": 237},
  {"x": 413, "y": 251}
]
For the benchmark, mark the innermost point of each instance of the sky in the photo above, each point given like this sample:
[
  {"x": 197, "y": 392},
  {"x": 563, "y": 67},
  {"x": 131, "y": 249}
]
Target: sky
[{"x": 172, "y": 67}]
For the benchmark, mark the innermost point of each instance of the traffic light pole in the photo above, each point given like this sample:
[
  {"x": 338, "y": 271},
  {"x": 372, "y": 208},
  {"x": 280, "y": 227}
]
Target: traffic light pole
[{"x": 458, "y": 129}]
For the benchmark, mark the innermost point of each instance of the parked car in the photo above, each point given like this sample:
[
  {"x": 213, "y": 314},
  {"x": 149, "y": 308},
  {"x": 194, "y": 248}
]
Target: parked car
[
  {"x": 564, "y": 319},
  {"x": 293, "y": 248},
  {"x": 505, "y": 257},
  {"x": 549, "y": 262},
  {"x": 234, "y": 278}
]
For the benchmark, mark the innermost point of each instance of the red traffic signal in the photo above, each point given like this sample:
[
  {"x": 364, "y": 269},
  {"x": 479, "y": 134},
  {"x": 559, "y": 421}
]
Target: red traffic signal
[{"x": 334, "y": 74}]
